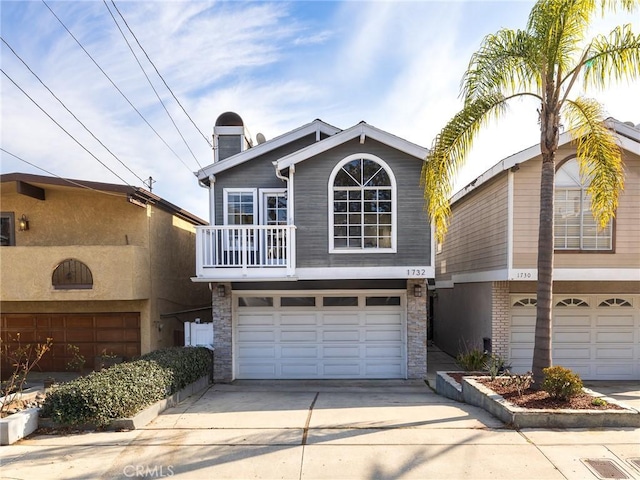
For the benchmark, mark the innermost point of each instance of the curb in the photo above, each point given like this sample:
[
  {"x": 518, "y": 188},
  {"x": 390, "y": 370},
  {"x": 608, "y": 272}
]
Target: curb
[{"x": 475, "y": 393}]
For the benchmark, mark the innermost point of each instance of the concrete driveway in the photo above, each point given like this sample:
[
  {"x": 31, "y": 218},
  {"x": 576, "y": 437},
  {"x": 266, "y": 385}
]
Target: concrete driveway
[{"x": 322, "y": 430}]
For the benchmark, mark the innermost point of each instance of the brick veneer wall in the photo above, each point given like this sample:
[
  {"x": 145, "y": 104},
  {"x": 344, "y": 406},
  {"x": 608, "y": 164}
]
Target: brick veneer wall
[
  {"x": 500, "y": 318},
  {"x": 222, "y": 334},
  {"x": 416, "y": 330}
]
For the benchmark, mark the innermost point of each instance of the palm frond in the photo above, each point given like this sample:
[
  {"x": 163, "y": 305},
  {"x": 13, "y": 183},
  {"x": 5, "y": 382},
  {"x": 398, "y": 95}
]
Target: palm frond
[
  {"x": 614, "y": 56},
  {"x": 506, "y": 62},
  {"x": 559, "y": 27},
  {"x": 448, "y": 152},
  {"x": 598, "y": 156}
]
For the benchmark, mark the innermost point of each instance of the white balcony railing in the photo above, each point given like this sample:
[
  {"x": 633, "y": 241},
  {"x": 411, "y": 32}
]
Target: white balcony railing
[{"x": 226, "y": 252}]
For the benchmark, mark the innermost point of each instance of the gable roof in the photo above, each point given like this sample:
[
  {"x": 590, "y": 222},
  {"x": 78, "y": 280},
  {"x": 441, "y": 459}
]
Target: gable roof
[
  {"x": 628, "y": 138},
  {"x": 362, "y": 130},
  {"x": 136, "y": 195},
  {"x": 317, "y": 126}
]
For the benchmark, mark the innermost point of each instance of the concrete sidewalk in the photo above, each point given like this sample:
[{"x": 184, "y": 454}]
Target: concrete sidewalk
[{"x": 322, "y": 430}]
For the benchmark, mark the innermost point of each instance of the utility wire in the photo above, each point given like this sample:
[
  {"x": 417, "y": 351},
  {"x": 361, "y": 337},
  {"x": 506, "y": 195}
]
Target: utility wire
[
  {"x": 151, "y": 84},
  {"x": 115, "y": 86},
  {"x": 62, "y": 128},
  {"x": 58, "y": 176},
  {"x": 70, "y": 112},
  {"x": 206, "y": 139}
]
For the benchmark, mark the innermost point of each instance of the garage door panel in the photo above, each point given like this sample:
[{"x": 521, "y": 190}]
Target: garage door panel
[
  {"x": 518, "y": 320},
  {"x": 614, "y": 352},
  {"x": 340, "y": 335},
  {"x": 384, "y": 351},
  {"x": 394, "y": 335},
  {"x": 298, "y": 319},
  {"x": 329, "y": 352},
  {"x": 299, "y": 370},
  {"x": 522, "y": 337},
  {"x": 342, "y": 369},
  {"x": 80, "y": 336},
  {"x": 615, "y": 321},
  {"x": 572, "y": 337},
  {"x": 257, "y": 351},
  {"x": 255, "y": 320},
  {"x": 79, "y": 322},
  {"x": 340, "y": 319},
  {"x": 299, "y": 352},
  {"x": 257, "y": 370},
  {"x": 256, "y": 335},
  {"x": 572, "y": 321},
  {"x": 521, "y": 352},
  {"x": 383, "y": 319},
  {"x": 612, "y": 371},
  {"x": 560, "y": 354},
  {"x": 620, "y": 336},
  {"x": 298, "y": 335}
]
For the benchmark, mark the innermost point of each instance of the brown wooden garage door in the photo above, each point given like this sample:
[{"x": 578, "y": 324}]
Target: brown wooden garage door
[{"x": 117, "y": 333}]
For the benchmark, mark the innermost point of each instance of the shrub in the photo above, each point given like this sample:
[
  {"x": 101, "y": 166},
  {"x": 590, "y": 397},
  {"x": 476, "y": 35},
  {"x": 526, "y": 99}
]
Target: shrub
[
  {"x": 495, "y": 364},
  {"x": 561, "y": 383},
  {"x": 126, "y": 388},
  {"x": 472, "y": 360},
  {"x": 520, "y": 382}
]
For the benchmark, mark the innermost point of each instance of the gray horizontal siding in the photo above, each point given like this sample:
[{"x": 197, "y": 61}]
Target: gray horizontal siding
[
  {"x": 311, "y": 210},
  {"x": 256, "y": 173}
]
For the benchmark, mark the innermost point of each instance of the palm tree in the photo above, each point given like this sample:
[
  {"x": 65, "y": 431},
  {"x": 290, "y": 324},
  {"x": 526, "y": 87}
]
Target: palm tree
[{"x": 545, "y": 62}]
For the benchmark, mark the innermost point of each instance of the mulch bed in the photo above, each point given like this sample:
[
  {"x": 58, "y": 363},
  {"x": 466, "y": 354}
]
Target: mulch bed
[{"x": 536, "y": 398}]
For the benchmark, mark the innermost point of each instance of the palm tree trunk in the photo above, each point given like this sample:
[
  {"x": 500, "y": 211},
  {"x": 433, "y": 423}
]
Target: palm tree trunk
[
  {"x": 542, "y": 347},
  {"x": 542, "y": 357}
]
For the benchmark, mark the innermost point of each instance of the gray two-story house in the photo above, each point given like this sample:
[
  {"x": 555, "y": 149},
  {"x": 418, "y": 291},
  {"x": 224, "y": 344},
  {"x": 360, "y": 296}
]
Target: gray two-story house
[{"x": 318, "y": 254}]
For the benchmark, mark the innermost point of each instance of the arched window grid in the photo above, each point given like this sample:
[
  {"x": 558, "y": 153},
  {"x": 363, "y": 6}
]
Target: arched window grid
[
  {"x": 72, "y": 274},
  {"x": 615, "y": 302},
  {"x": 572, "y": 302},
  {"x": 362, "y": 206},
  {"x": 526, "y": 302}
]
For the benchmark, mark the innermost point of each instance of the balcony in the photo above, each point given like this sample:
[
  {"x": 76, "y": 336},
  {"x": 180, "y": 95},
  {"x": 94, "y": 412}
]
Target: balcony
[{"x": 248, "y": 252}]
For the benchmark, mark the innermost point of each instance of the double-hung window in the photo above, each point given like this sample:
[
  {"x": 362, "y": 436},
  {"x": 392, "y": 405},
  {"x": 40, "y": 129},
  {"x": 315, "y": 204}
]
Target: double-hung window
[
  {"x": 362, "y": 206},
  {"x": 574, "y": 225}
]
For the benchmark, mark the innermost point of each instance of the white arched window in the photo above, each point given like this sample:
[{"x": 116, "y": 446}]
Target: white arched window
[
  {"x": 575, "y": 227},
  {"x": 362, "y": 206}
]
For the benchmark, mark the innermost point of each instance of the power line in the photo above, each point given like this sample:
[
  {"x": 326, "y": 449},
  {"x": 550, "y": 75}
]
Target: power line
[
  {"x": 206, "y": 139},
  {"x": 152, "y": 87},
  {"x": 70, "y": 112},
  {"x": 62, "y": 128},
  {"x": 58, "y": 176},
  {"x": 115, "y": 86}
]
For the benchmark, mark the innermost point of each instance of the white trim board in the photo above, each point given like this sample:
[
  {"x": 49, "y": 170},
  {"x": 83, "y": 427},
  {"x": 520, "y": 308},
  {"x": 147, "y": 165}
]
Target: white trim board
[
  {"x": 361, "y": 130},
  {"x": 317, "y": 126},
  {"x": 332, "y": 273}
]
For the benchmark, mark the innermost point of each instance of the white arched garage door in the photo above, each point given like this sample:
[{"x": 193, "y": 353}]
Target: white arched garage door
[
  {"x": 597, "y": 336},
  {"x": 314, "y": 335}
]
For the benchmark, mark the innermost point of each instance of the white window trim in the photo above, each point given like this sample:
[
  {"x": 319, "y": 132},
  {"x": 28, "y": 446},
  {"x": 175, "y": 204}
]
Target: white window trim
[
  {"x": 394, "y": 202},
  {"x": 256, "y": 207},
  {"x": 263, "y": 206}
]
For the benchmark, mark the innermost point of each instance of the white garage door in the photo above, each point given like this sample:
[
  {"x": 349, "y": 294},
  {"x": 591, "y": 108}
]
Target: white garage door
[
  {"x": 596, "y": 336},
  {"x": 320, "y": 335}
]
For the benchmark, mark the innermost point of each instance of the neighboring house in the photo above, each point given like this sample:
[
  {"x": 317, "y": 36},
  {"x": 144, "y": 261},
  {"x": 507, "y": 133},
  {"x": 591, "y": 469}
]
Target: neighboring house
[
  {"x": 486, "y": 268},
  {"x": 318, "y": 253},
  {"x": 103, "y": 267}
]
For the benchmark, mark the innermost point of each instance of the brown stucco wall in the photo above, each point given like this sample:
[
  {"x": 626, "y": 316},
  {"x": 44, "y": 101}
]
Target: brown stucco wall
[{"x": 141, "y": 259}]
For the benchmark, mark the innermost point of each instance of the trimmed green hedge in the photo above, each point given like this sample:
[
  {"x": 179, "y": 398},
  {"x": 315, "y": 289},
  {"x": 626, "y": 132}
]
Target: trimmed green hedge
[{"x": 127, "y": 388}]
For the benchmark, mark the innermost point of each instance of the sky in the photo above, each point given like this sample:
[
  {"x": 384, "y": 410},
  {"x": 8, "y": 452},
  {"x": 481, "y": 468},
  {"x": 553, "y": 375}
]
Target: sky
[{"x": 279, "y": 65}]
